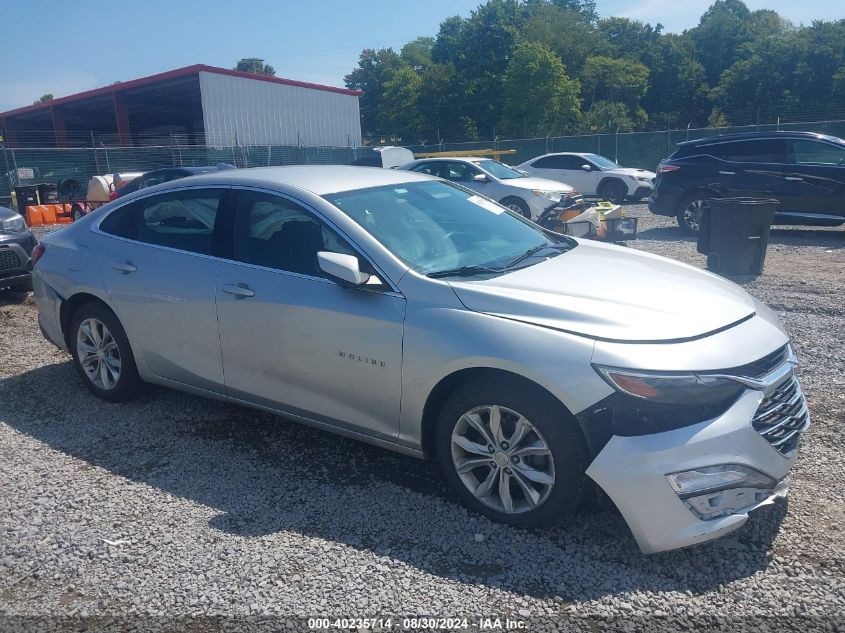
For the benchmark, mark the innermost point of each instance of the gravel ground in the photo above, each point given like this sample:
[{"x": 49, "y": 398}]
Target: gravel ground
[{"x": 178, "y": 506}]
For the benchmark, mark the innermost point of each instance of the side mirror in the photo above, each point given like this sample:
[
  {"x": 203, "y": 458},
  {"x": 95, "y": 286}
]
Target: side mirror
[
  {"x": 343, "y": 269},
  {"x": 480, "y": 178},
  {"x": 586, "y": 167}
]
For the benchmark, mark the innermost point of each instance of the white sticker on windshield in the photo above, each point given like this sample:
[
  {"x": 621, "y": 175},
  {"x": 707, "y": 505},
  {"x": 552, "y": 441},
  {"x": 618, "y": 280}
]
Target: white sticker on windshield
[{"x": 492, "y": 207}]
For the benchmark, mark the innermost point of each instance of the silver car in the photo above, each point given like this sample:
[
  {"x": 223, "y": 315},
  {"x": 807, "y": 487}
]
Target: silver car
[
  {"x": 527, "y": 195},
  {"x": 409, "y": 312}
]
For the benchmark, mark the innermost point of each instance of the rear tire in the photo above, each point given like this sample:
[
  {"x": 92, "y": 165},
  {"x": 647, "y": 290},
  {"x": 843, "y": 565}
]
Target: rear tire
[
  {"x": 518, "y": 206},
  {"x": 102, "y": 355},
  {"x": 689, "y": 212},
  {"x": 76, "y": 212},
  {"x": 490, "y": 471}
]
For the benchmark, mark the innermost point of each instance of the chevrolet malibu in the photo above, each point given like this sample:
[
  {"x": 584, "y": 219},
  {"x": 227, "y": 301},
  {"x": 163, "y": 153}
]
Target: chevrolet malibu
[{"x": 412, "y": 313}]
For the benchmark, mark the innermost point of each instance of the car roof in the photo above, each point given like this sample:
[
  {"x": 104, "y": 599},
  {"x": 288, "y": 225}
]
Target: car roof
[
  {"x": 318, "y": 179},
  {"x": 710, "y": 140}
]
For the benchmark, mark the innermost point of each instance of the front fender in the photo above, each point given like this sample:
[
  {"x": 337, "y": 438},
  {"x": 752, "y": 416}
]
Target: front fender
[{"x": 441, "y": 341}]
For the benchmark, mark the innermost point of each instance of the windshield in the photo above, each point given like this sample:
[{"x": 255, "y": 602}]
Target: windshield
[
  {"x": 497, "y": 169},
  {"x": 434, "y": 226},
  {"x": 601, "y": 161}
]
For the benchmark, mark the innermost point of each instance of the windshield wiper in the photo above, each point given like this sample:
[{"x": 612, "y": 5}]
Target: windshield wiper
[
  {"x": 464, "y": 271},
  {"x": 534, "y": 250}
]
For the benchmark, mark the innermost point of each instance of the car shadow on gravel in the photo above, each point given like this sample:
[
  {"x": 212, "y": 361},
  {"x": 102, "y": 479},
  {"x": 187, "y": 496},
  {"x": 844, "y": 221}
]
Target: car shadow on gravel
[{"x": 267, "y": 477}]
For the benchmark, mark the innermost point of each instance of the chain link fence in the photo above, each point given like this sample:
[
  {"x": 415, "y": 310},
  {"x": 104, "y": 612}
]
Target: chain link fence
[
  {"x": 29, "y": 166},
  {"x": 631, "y": 149},
  {"x": 25, "y": 166}
]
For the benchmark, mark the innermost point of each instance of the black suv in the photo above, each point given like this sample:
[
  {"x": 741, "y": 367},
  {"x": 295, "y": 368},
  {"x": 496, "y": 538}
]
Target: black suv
[
  {"x": 16, "y": 244},
  {"x": 805, "y": 172}
]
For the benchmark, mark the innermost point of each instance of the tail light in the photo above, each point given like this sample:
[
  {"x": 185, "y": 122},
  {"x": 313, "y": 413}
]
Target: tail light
[
  {"x": 113, "y": 195},
  {"x": 37, "y": 252},
  {"x": 663, "y": 169}
]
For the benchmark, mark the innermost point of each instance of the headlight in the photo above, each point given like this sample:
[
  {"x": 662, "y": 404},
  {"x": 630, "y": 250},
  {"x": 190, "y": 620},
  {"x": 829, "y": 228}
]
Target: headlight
[
  {"x": 684, "y": 389},
  {"x": 551, "y": 195},
  {"x": 15, "y": 224}
]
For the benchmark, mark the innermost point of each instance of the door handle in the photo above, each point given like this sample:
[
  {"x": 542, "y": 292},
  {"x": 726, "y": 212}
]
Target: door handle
[
  {"x": 728, "y": 173},
  {"x": 125, "y": 267},
  {"x": 240, "y": 291},
  {"x": 795, "y": 178}
]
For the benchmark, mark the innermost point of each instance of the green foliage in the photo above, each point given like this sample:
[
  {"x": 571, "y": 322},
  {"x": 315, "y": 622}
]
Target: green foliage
[
  {"x": 539, "y": 95},
  {"x": 537, "y": 67},
  {"x": 43, "y": 99},
  {"x": 417, "y": 53},
  {"x": 256, "y": 66}
]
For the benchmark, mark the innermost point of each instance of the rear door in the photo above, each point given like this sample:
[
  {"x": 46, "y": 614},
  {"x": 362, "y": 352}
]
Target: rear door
[
  {"x": 566, "y": 169},
  {"x": 160, "y": 273},
  {"x": 814, "y": 178},
  {"x": 749, "y": 168}
]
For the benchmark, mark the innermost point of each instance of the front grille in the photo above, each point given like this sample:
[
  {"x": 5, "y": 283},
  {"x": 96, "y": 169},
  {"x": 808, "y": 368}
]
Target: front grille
[
  {"x": 782, "y": 416},
  {"x": 9, "y": 259}
]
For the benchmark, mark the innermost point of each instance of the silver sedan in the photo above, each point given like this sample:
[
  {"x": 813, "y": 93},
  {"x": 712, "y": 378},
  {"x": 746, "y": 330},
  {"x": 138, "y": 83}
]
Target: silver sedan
[{"x": 409, "y": 312}]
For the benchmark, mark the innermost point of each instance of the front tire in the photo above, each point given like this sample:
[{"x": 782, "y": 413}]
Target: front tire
[
  {"x": 102, "y": 355},
  {"x": 517, "y": 205},
  {"x": 614, "y": 190},
  {"x": 511, "y": 452}
]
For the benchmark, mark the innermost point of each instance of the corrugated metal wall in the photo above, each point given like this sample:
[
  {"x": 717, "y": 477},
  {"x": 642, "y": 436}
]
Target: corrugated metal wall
[{"x": 264, "y": 113}]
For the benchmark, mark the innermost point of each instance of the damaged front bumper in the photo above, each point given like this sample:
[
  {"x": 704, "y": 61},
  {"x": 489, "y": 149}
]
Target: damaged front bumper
[{"x": 634, "y": 472}]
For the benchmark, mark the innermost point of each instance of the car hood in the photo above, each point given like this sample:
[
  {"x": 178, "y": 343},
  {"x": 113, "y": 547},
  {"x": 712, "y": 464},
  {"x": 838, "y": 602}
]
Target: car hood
[
  {"x": 611, "y": 293},
  {"x": 530, "y": 182},
  {"x": 630, "y": 171}
]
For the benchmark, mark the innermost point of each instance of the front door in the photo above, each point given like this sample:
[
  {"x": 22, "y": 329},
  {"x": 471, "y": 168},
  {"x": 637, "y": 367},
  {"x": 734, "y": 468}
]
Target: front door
[
  {"x": 814, "y": 178},
  {"x": 296, "y": 341},
  {"x": 160, "y": 276}
]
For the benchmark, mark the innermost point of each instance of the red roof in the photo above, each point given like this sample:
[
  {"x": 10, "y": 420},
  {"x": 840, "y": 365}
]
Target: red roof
[{"x": 172, "y": 74}]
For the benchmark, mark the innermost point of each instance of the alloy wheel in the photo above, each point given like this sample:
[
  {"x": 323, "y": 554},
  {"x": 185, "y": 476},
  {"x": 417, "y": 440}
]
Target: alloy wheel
[
  {"x": 99, "y": 354},
  {"x": 692, "y": 214},
  {"x": 502, "y": 459}
]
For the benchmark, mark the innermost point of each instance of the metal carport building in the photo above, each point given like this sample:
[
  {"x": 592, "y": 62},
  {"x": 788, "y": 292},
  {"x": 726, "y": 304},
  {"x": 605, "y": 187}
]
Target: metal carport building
[{"x": 200, "y": 105}]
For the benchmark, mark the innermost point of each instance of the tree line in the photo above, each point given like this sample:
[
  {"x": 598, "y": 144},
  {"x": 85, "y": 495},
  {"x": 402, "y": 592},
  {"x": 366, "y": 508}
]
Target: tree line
[{"x": 528, "y": 68}]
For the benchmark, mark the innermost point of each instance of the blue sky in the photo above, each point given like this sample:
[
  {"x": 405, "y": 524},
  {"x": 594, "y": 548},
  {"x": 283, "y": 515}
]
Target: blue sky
[{"x": 315, "y": 40}]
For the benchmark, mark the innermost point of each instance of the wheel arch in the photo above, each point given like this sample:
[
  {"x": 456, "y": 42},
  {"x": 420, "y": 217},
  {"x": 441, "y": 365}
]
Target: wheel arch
[
  {"x": 448, "y": 384},
  {"x": 683, "y": 201},
  {"x": 71, "y": 305},
  {"x": 606, "y": 179},
  {"x": 522, "y": 203}
]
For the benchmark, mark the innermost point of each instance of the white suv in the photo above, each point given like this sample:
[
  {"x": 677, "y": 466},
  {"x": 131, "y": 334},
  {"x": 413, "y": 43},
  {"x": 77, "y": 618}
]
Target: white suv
[{"x": 592, "y": 175}]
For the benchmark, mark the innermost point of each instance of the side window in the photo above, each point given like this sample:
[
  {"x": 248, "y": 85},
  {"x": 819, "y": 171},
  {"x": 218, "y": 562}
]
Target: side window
[
  {"x": 459, "y": 172},
  {"x": 753, "y": 151},
  {"x": 428, "y": 168},
  {"x": 547, "y": 162},
  {"x": 574, "y": 163},
  {"x": 182, "y": 219},
  {"x": 814, "y": 153},
  {"x": 277, "y": 233}
]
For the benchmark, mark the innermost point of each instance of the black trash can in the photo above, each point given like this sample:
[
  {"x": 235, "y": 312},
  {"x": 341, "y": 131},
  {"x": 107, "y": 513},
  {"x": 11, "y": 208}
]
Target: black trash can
[
  {"x": 734, "y": 234},
  {"x": 48, "y": 193},
  {"x": 25, "y": 196}
]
